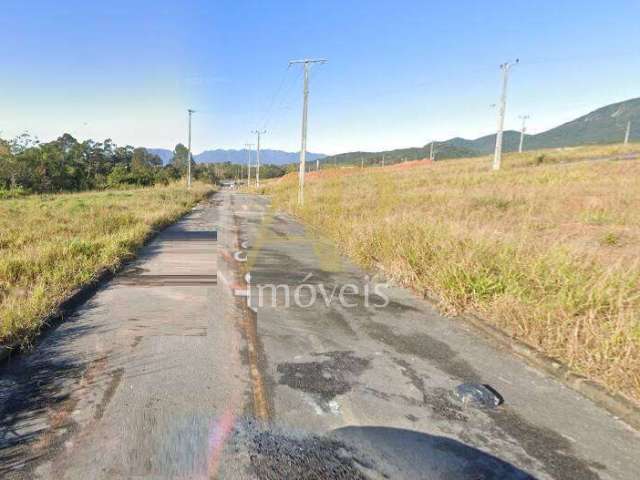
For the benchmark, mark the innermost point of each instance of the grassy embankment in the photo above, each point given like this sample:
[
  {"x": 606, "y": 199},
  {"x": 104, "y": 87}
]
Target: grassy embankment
[
  {"x": 51, "y": 244},
  {"x": 546, "y": 250}
]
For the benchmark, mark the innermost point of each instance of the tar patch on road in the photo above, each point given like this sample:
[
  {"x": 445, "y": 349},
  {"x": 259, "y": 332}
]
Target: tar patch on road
[
  {"x": 324, "y": 378},
  {"x": 278, "y": 456}
]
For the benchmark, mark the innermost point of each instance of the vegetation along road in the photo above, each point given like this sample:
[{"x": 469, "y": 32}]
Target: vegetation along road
[{"x": 240, "y": 344}]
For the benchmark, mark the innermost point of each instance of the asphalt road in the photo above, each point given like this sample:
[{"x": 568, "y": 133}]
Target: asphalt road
[{"x": 186, "y": 366}]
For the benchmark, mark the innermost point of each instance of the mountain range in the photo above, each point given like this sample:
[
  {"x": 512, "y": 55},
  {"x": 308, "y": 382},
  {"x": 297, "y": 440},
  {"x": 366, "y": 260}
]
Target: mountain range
[
  {"x": 267, "y": 157},
  {"x": 604, "y": 125}
]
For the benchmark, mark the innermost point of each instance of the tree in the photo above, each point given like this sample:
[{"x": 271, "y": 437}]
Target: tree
[
  {"x": 66, "y": 164},
  {"x": 142, "y": 159},
  {"x": 179, "y": 160}
]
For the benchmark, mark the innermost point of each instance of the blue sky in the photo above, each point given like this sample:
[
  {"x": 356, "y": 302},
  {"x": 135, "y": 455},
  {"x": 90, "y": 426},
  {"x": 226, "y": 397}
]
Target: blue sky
[{"x": 400, "y": 73}]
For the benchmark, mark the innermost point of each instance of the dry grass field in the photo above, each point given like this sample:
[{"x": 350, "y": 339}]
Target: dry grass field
[
  {"x": 51, "y": 244},
  {"x": 548, "y": 248}
]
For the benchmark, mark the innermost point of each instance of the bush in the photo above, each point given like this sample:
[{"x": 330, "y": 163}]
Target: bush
[
  {"x": 121, "y": 175},
  {"x": 13, "y": 193}
]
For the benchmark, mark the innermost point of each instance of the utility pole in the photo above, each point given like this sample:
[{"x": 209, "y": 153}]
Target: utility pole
[
  {"x": 303, "y": 143},
  {"x": 248, "y": 146},
  {"x": 191, "y": 112},
  {"x": 431, "y": 153},
  {"x": 361, "y": 162},
  {"x": 258, "y": 133},
  {"x": 524, "y": 129},
  {"x": 497, "y": 158},
  {"x": 626, "y": 135}
]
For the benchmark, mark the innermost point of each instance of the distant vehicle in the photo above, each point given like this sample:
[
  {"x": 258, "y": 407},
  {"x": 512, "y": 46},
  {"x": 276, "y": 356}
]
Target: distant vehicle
[{"x": 228, "y": 184}]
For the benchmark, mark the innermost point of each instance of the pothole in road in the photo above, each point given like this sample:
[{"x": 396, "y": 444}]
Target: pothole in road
[
  {"x": 477, "y": 395},
  {"x": 324, "y": 379}
]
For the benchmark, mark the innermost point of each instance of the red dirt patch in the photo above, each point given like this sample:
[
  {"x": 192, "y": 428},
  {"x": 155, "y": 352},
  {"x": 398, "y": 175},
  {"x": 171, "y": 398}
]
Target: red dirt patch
[
  {"x": 411, "y": 164},
  {"x": 353, "y": 170}
]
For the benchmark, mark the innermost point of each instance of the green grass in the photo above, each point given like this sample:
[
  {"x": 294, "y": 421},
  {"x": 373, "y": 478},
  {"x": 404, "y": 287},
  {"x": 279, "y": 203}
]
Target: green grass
[
  {"x": 546, "y": 251},
  {"x": 51, "y": 244}
]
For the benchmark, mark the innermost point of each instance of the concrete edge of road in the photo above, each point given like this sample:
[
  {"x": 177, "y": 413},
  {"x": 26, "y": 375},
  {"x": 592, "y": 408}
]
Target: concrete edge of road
[
  {"x": 83, "y": 293},
  {"x": 615, "y": 403},
  {"x": 76, "y": 298}
]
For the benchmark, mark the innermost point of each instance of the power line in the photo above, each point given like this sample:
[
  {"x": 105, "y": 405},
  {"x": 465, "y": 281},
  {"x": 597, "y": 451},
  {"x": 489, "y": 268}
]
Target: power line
[
  {"x": 273, "y": 99},
  {"x": 280, "y": 107},
  {"x": 580, "y": 58}
]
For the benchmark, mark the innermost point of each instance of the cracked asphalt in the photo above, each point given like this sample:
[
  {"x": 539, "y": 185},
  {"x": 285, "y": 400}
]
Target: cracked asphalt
[{"x": 184, "y": 366}]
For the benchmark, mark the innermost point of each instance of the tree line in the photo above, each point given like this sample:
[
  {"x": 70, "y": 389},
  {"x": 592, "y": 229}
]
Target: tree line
[{"x": 66, "y": 164}]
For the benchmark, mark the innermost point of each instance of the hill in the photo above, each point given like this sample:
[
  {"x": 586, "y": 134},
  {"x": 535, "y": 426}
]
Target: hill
[
  {"x": 271, "y": 157},
  {"x": 602, "y": 126},
  {"x": 486, "y": 144},
  {"x": 399, "y": 155},
  {"x": 165, "y": 154}
]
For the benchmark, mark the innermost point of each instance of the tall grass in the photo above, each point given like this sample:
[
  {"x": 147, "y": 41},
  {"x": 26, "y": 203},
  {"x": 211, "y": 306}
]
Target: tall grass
[
  {"x": 51, "y": 244},
  {"x": 546, "y": 250}
]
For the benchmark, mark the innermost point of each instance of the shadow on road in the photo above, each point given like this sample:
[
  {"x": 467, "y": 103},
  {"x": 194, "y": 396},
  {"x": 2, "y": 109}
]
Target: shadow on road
[{"x": 411, "y": 454}]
